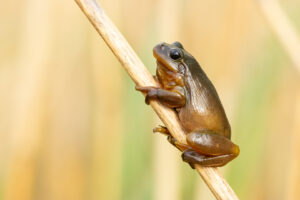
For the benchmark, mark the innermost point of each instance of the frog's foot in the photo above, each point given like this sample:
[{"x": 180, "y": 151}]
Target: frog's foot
[
  {"x": 177, "y": 144},
  {"x": 209, "y": 149},
  {"x": 171, "y": 139},
  {"x": 162, "y": 130},
  {"x": 192, "y": 157}
]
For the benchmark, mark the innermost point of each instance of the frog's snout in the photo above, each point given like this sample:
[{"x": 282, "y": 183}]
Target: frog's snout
[
  {"x": 160, "y": 47},
  {"x": 159, "y": 50}
]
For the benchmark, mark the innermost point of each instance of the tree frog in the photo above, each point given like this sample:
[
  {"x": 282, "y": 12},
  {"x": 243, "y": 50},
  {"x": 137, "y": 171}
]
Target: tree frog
[{"x": 184, "y": 87}]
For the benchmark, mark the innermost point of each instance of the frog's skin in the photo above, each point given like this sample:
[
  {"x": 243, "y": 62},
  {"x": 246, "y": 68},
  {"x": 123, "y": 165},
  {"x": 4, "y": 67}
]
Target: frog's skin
[{"x": 184, "y": 86}]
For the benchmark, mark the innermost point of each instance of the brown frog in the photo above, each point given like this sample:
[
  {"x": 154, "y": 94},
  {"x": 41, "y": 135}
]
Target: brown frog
[{"x": 185, "y": 87}]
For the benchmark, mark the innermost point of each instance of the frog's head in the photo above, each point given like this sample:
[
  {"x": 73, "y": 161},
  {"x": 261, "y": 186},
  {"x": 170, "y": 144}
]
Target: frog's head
[
  {"x": 169, "y": 55},
  {"x": 170, "y": 66},
  {"x": 173, "y": 61}
]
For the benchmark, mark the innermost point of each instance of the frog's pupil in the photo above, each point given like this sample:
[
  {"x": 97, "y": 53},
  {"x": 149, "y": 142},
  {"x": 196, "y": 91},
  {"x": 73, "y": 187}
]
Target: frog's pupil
[{"x": 175, "y": 54}]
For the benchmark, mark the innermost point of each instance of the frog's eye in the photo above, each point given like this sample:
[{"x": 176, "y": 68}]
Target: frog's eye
[{"x": 175, "y": 54}]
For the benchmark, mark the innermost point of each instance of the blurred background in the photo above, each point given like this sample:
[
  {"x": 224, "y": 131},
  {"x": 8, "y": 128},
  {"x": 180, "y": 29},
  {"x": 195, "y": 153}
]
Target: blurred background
[{"x": 73, "y": 127}]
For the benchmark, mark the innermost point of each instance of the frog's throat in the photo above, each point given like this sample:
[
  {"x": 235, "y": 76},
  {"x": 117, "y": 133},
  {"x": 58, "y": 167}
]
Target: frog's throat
[
  {"x": 172, "y": 77},
  {"x": 165, "y": 65}
]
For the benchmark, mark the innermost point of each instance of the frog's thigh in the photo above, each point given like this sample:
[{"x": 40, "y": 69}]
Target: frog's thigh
[
  {"x": 211, "y": 144},
  {"x": 192, "y": 157}
]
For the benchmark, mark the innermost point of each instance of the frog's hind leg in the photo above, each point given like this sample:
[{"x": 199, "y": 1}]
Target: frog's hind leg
[{"x": 209, "y": 149}]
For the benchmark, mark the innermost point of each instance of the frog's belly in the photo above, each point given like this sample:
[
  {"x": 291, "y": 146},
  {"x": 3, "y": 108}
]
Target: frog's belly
[{"x": 193, "y": 121}]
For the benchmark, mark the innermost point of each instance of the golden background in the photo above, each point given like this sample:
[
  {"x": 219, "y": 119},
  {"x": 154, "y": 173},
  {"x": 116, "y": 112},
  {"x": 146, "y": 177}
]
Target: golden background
[{"x": 73, "y": 127}]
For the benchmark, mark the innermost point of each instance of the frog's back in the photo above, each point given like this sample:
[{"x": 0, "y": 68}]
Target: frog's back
[{"x": 203, "y": 109}]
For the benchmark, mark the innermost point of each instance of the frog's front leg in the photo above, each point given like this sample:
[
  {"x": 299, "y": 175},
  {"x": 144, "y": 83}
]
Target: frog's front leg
[
  {"x": 209, "y": 149},
  {"x": 171, "y": 98}
]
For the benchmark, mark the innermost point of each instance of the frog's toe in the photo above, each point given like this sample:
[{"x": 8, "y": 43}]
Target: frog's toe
[
  {"x": 152, "y": 94},
  {"x": 161, "y": 129}
]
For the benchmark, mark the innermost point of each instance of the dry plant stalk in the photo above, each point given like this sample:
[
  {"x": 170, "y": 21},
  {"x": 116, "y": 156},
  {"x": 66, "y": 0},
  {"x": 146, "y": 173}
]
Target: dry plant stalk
[{"x": 141, "y": 76}]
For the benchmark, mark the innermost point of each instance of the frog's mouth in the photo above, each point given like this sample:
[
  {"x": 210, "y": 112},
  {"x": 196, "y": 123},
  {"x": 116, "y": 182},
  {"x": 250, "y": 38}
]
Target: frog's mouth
[{"x": 163, "y": 66}]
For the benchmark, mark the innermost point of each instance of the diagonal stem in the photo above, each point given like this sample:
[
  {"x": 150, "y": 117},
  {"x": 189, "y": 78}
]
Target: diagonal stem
[{"x": 141, "y": 76}]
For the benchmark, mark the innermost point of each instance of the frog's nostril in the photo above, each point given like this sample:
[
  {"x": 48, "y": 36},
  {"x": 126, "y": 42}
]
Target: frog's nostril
[{"x": 162, "y": 46}]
